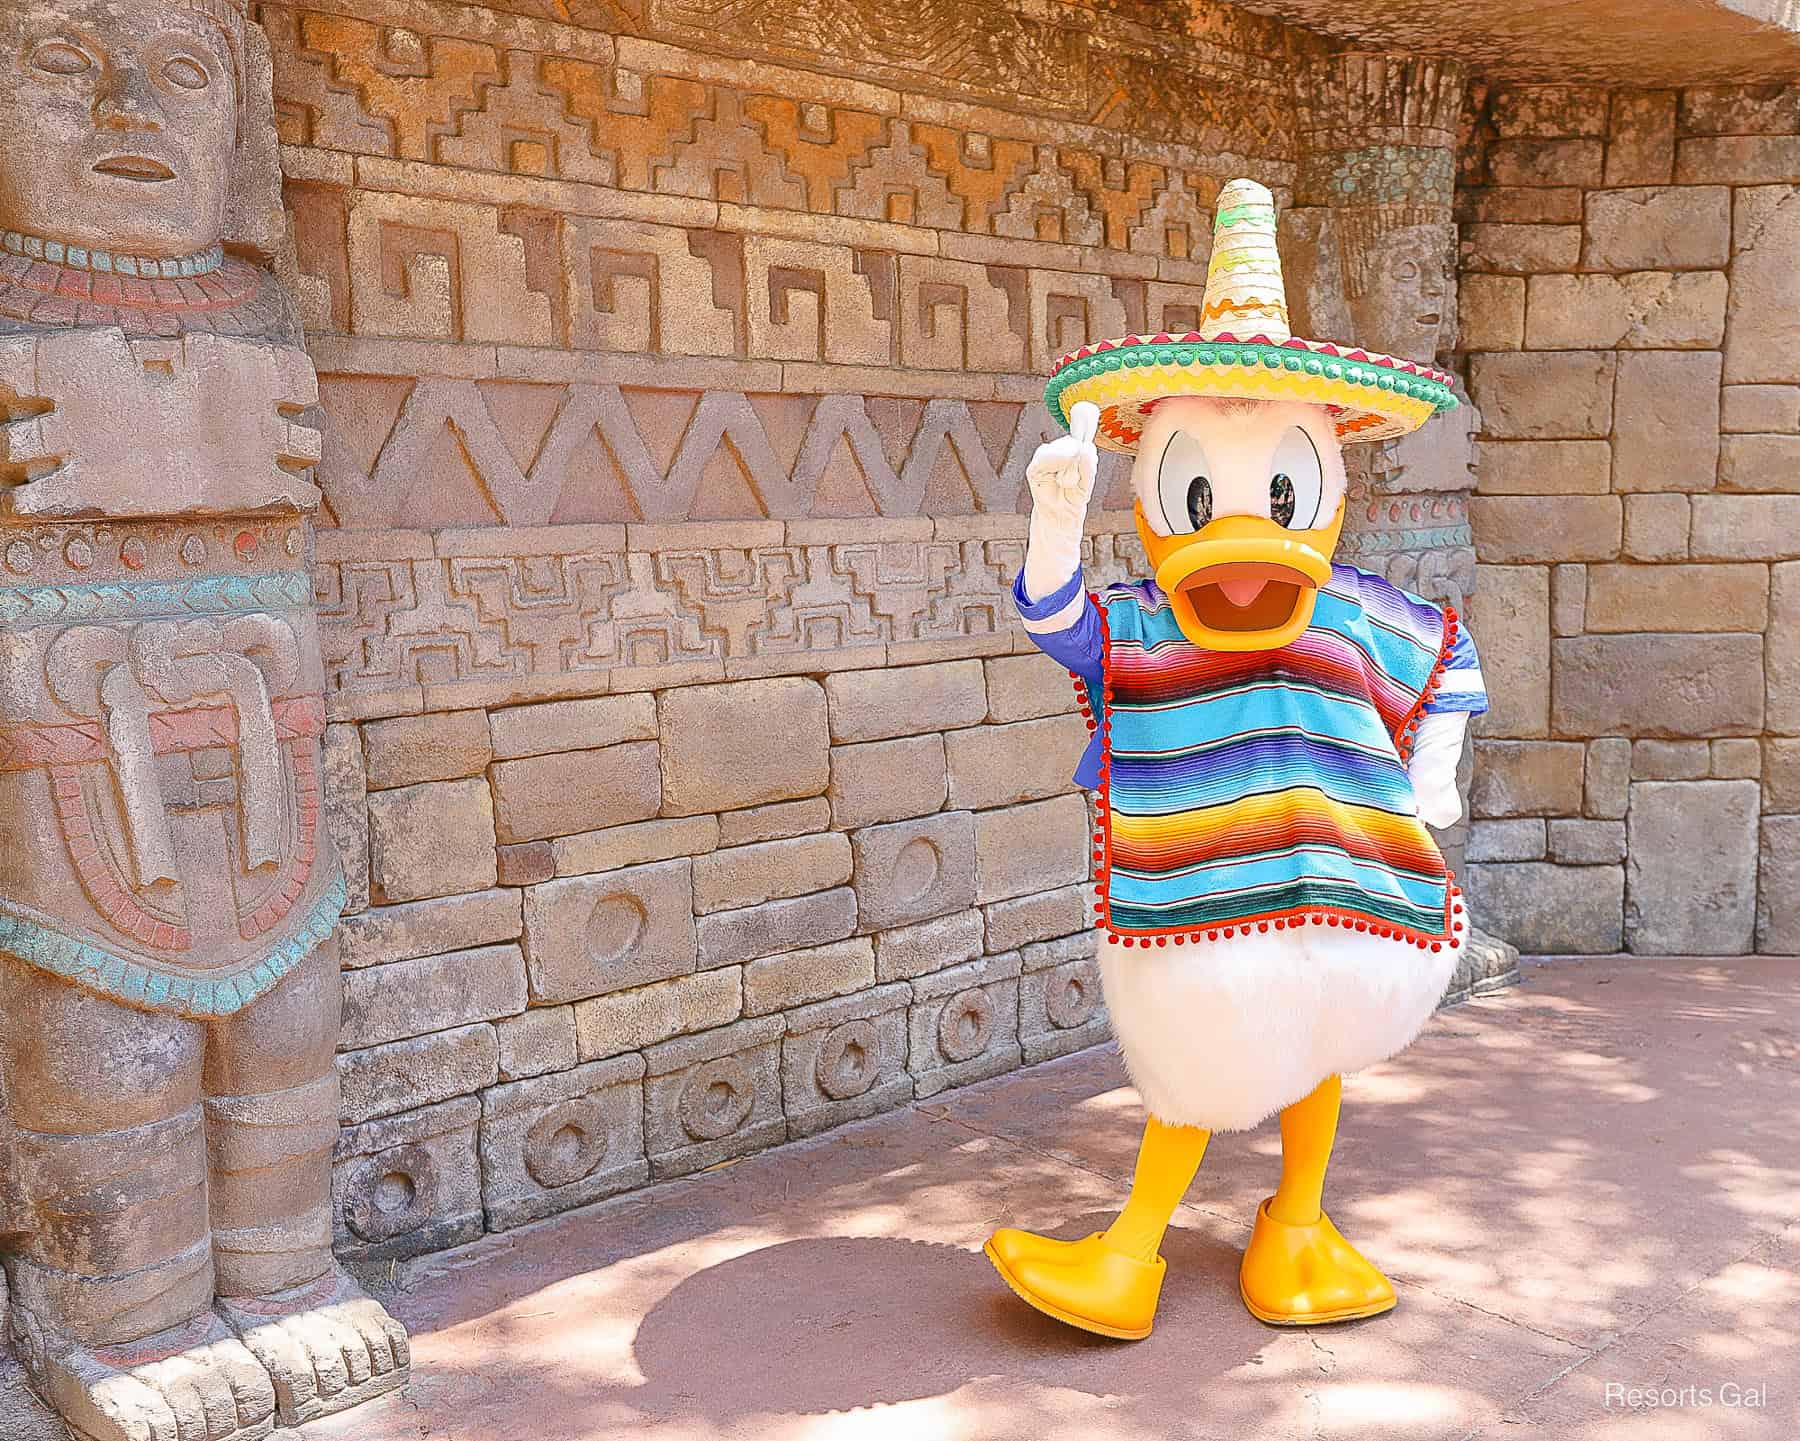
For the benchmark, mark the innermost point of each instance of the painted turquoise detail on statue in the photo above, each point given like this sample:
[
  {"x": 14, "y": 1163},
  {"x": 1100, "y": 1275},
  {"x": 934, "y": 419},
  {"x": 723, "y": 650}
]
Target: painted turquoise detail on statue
[
  {"x": 36, "y": 940},
  {"x": 136, "y": 599}
]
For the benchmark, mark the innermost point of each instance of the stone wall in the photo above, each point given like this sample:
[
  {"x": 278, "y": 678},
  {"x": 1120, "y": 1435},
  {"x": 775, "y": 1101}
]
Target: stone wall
[{"x": 1631, "y": 309}]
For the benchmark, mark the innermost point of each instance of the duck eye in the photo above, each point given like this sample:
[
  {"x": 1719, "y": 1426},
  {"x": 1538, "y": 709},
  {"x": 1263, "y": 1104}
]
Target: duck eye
[
  {"x": 1296, "y": 482},
  {"x": 1184, "y": 484}
]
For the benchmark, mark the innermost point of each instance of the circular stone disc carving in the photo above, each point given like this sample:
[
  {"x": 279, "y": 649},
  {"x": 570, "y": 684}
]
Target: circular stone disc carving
[
  {"x": 614, "y": 928},
  {"x": 916, "y": 870},
  {"x": 717, "y": 1099},
  {"x": 391, "y": 1194},
  {"x": 849, "y": 1060},
  {"x": 1069, "y": 1000},
  {"x": 566, "y": 1144},
  {"x": 966, "y": 1025}
]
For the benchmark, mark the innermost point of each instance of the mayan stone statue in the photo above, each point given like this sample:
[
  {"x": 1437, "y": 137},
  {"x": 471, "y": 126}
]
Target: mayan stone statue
[{"x": 169, "y": 989}]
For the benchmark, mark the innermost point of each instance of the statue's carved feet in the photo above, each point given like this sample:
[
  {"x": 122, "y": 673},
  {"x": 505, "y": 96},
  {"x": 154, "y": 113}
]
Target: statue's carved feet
[
  {"x": 194, "y": 1382},
  {"x": 327, "y": 1345}
]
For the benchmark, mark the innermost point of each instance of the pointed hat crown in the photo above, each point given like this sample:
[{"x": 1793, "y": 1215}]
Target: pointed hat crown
[{"x": 1245, "y": 294}]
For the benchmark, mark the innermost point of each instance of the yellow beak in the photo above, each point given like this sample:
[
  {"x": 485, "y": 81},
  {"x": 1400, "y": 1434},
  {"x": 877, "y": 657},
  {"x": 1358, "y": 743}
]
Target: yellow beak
[{"x": 1242, "y": 582}]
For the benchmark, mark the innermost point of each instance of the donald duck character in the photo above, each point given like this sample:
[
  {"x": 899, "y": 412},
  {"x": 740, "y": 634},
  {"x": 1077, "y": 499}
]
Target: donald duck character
[{"x": 1272, "y": 732}]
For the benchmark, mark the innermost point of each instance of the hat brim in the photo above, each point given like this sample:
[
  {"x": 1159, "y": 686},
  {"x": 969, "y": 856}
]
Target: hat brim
[{"x": 1371, "y": 397}]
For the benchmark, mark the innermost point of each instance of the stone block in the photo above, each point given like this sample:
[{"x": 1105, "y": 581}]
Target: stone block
[
  {"x": 1526, "y": 778},
  {"x": 1518, "y": 839},
  {"x": 1509, "y": 616},
  {"x": 1660, "y": 227},
  {"x": 403, "y": 1075},
  {"x": 406, "y": 1185},
  {"x": 1047, "y": 916},
  {"x": 902, "y": 701},
  {"x": 1745, "y": 527},
  {"x": 1762, "y": 409},
  {"x": 1518, "y": 205},
  {"x": 1545, "y": 529},
  {"x": 409, "y": 750},
  {"x": 1736, "y": 758},
  {"x": 912, "y": 870},
  {"x": 431, "y": 993},
  {"x": 710, "y": 1097},
  {"x": 843, "y": 1060},
  {"x": 1778, "y": 887},
  {"x": 1547, "y": 909},
  {"x": 1762, "y": 324},
  {"x": 1587, "y": 843},
  {"x": 739, "y": 876},
  {"x": 1060, "y": 1005},
  {"x": 590, "y": 723},
  {"x": 1740, "y": 110},
  {"x": 1027, "y": 687},
  {"x": 1544, "y": 395},
  {"x": 1490, "y": 312},
  {"x": 1656, "y": 526},
  {"x": 1606, "y": 778},
  {"x": 573, "y": 791},
  {"x": 1646, "y": 310},
  {"x": 632, "y": 1020},
  {"x": 1670, "y": 760},
  {"x": 795, "y": 978},
  {"x": 524, "y": 864},
  {"x": 1657, "y": 685},
  {"x": 1640, "y": 148},
  {"x": 1759, "y": 462},
  {"x": 1543, "y": 467},
  {"x": 347, "y": 810},
  {"x": 1002, "y": 765},
  {"x": 589, "y": 935},
  {"x": 775, "y": 822},
  {"x": 744, "y": 744},
  {"x": 1784, "y": 650},
  {"x": 1666, "y": 418},
  {"x": 1520, "y": 249},
  {"x": 1548, "y": 111},
  {"x": 424, "y": 928},
  {"x": 635, "y": 845},
  {"x": 556, "y": 1142},
  {"x": 1744, "y": 160},
  {"x": 1781, "y": 775},
  {"x": 1568, "y": 602},
  {"x": 1547, "y": 162},
  {"x": 428, "y": 840},
  {"x": 536, "y": 1043},
  {"x": 934, "y": 945},
  {"x": 887, "y": 780},
  {"x": 1030, "y": 848},
  {"x": 1691, "y": 867},
  {"x": 728, "y": 938},
  {"x": 963, "y": 1025},
  {"x": 1626, "y": 598}
]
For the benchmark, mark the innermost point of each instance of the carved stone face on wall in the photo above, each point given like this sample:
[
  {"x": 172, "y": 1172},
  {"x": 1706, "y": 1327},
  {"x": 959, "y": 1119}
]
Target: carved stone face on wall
[
  {"x": 1402, "y": 298},
  {"x": 120, "y": 118}
]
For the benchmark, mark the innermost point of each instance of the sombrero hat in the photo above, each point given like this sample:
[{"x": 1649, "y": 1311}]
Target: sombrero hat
[{"x": 1244, "y": 351}]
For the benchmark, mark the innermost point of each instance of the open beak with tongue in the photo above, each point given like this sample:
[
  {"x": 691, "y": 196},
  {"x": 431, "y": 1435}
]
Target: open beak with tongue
[{"x": 1242, "y": 582}]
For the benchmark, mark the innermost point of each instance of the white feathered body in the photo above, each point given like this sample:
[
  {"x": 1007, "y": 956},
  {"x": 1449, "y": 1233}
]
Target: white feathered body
[{"x": 1222, "y": 1034}]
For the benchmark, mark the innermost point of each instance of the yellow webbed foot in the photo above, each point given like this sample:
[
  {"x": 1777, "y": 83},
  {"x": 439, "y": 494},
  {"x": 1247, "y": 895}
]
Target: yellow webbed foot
[
  {"x": 1086, "y": 1284},
  {"x": 1308, "y": 1275}
]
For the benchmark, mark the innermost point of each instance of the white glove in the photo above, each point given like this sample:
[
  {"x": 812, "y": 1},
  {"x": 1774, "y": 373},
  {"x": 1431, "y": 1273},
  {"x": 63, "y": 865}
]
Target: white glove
[
  {"x": 1061, "y": 476},
  {"x": 1432, "y": 767}
]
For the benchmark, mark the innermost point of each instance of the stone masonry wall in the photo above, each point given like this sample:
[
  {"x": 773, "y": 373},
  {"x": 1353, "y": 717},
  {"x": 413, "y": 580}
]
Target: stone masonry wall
[{"x": 1630, "y": 305}]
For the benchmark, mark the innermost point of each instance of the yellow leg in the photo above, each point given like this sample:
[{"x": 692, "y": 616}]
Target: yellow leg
[
  {"x": 1109, "y": 1283},
  {"x": 1298, "y": 1271}
]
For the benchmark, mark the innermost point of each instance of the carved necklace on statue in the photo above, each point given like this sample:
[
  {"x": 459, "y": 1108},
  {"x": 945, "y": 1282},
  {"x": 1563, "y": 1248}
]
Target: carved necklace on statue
[{"x": 53, "y": 285}]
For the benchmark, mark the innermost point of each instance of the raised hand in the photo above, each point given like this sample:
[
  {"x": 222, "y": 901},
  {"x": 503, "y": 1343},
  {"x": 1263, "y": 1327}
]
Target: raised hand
[{"x": 1061, "y": 473}]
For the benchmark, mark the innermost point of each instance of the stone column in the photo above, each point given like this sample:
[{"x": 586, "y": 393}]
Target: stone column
[
  {"x": 169, "y": 990},
  {"x": 1375, "y": 246}
]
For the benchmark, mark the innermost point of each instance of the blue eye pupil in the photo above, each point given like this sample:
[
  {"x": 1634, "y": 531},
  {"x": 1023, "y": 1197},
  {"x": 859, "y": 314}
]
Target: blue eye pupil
[{"x": 1199, "y": 501}]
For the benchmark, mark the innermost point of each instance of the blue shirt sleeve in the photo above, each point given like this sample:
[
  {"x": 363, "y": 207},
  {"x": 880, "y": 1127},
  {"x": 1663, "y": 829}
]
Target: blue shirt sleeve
[
  {"x": 1068, "y": 633},
  {"x": 1461, "y": 687}
]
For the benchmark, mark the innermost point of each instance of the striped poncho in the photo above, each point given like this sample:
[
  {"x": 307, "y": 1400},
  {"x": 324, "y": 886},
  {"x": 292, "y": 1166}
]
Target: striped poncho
[{"x": 1264, "y": 788}]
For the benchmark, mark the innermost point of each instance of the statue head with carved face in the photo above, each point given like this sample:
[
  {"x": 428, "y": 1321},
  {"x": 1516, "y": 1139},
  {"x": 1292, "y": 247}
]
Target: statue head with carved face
[
  {"x": 1238, "y": 429},
  {"x": 1398, "y": 280},
  {"x": 122, "y": 119}
]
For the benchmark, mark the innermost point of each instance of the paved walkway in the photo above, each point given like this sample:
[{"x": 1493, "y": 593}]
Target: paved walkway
[{"x": 1590, "y": 1182}]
